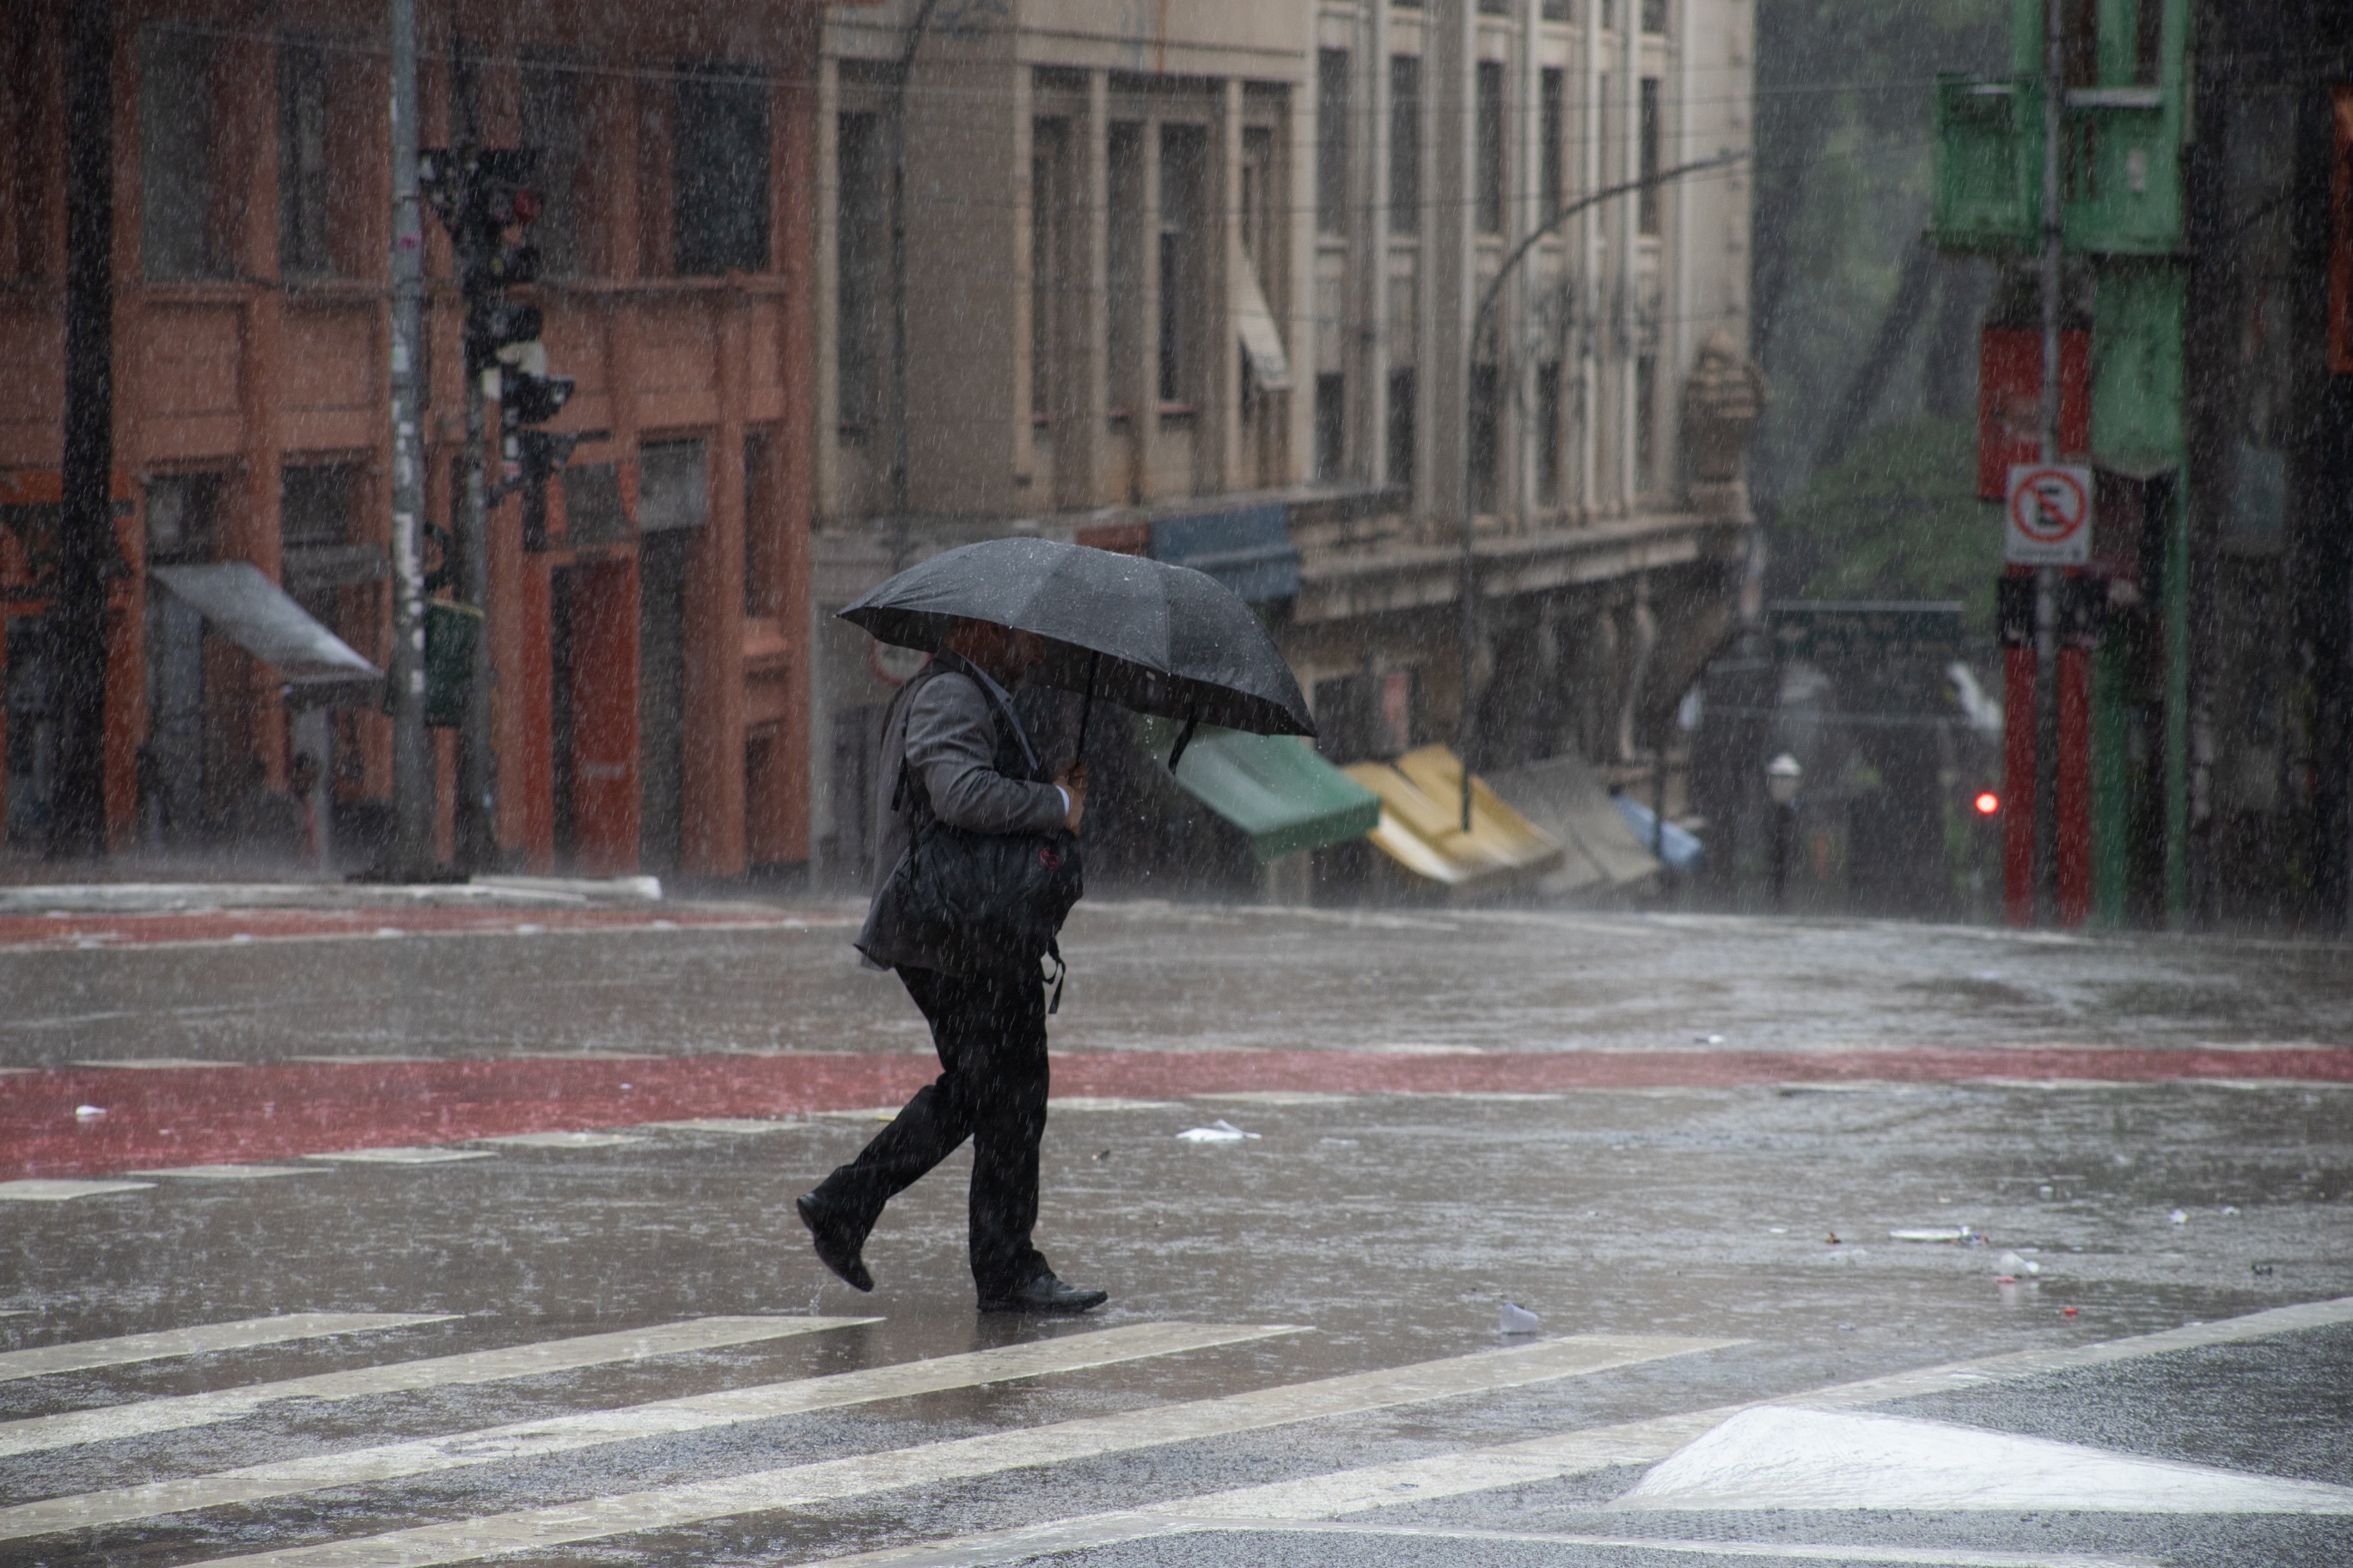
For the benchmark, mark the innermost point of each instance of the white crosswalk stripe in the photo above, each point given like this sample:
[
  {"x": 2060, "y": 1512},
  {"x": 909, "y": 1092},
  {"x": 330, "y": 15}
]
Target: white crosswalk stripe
[
  {"x": 245, "y": 1334},
  {"x": 1349, "y": 1504},
  {"x": 1314, "y": 1501},
  {"x": 668, "y": 1417},
  {"x": 800, "y": 1486},
  {"x": 141, "y": 1417}
]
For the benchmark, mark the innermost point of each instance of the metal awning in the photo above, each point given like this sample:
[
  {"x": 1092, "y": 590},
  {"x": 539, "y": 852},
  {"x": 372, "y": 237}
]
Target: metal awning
[
  {"x": 1421, "y": 819},
  {"x": 1277, "y": 791},
  {"x": 1246, "y": 548},
  {"x": 1262, "y": 342},
  {"x": 319, "y": 668},
  {"x": 1565, "y": 797}
]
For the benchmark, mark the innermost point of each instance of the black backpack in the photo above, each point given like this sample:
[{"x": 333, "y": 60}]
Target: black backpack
[{"x": 994, "y": 900}]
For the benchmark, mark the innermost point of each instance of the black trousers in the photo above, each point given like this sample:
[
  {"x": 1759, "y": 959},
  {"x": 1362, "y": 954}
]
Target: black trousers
[{"x": 990, "y": 1033}]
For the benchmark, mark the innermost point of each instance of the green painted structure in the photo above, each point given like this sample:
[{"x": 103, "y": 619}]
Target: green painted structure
[{"x": 2125, "y": 120}]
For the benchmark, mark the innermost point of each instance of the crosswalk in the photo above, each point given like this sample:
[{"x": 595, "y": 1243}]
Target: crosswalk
[
  {"x": 180, "y": 1412},
  {"x": 245, "y": 1333},
  {"x": 669, "y": 1418},
  {"x": 548, "y": 1512}
]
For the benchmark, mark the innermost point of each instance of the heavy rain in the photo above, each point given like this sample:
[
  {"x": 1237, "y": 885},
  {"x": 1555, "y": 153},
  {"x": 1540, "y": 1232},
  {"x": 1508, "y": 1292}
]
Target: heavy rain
[{"x": 1159, "y": 782}]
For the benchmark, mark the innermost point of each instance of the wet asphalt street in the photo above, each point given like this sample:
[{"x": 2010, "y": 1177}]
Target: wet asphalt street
[{"x": 568, "y": 1318}]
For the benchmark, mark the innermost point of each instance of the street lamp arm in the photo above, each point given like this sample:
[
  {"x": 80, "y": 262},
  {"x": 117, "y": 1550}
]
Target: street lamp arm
[{"x": 1487, "y": 296}]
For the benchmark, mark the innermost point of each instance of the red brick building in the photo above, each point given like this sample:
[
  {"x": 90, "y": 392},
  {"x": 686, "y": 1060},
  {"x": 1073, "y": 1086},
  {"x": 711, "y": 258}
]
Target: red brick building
[{"x": 652, "y": 698}]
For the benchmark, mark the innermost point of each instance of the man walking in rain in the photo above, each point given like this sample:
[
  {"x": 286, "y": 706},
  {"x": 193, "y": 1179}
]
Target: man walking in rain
[{"x": 968, "y": 762}]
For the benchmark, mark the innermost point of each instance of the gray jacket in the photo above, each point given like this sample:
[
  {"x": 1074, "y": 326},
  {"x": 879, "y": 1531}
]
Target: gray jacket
[{"x": 969, "y": 762}]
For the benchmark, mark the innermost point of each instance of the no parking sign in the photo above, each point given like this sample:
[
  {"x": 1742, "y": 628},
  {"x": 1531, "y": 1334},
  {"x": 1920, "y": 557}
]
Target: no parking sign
[{"x": 2048, "y": 522}]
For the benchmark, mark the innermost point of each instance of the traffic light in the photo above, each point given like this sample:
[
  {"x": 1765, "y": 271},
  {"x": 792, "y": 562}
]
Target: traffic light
[
  {"x": 496, "y": 325},
  {"x": 534, "y": 457},
  {"x": 530, "y": 398},
  {"x": 487, "y": 198}
]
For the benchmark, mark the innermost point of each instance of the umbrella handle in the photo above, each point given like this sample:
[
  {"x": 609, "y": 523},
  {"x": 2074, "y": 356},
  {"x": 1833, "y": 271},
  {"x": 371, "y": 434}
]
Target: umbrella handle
[
  {"x": 1176, "y": 752},
  {"x": 1086, "y": 711}
]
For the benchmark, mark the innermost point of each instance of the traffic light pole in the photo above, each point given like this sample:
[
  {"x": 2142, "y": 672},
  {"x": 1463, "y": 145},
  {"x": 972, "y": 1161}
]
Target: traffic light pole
[
  {"x": 413, "y": 786},
  {"x": 478, "y": 761},
  {"x": 2046, "y": 578},
  {"x": 478, "y": 765}
]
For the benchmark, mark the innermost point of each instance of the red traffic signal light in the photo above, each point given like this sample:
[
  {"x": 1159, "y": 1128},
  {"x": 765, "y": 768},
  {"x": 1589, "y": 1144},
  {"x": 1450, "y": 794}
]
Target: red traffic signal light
[{"x": 1987, "y": 803}]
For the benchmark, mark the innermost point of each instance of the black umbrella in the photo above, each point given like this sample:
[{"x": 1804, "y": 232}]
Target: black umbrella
[{"x": 1149, "y": 636}]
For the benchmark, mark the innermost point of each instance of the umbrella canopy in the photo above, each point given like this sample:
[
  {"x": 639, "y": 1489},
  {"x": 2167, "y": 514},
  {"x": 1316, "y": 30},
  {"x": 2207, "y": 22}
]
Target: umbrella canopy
[{"x": 1152, "y": 638}]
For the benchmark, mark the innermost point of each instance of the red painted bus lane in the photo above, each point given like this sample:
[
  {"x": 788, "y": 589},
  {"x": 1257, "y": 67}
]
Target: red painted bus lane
[
  {"x": 277, "y": 1110},
  {"x": 150, "y": 928}
]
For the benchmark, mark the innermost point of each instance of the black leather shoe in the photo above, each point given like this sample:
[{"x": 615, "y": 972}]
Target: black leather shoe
[
  {"x": 835, "y": 1248},
  {"x": 1046, "y": 1294}
]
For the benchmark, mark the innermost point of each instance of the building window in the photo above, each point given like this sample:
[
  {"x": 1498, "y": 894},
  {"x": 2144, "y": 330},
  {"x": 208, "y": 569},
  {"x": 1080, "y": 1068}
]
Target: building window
[
  {"x": 1047, "y": 140},
  {"x": 1331, "y": 424},
  {"x": 314, "y": 505},
  {"x": 1553, "y": 119},
  {"x": 302, "y": 248},
  {"x": 555, "y": 123},
  {"x": 1259, "y": 218},
  {"x": 763, "y": 527},
  {"x": 1607, "y": 143},
  {"x": 718, "y": 177},
  {"x": 1401, "y": 431},
  {"x": 1183, "y": 154},
  {"x": 1559, "y": 11},
  {"x": 673, "y": 486},
  {"x": 1485, "y": 431},
  {"x": 1649, "y": 203},
  {"x": 859, "y": 264},
  {"x": 1548, "y": 433},
  {"x": 1405, "y": 145},
  {"x": 1654, "y": 16},
  {"x": 1490, "y": 151},
  {"x": 181, "y": 510},
  {"x": 185, "y": 221},
  {"x": 1123, "y": 267},
  {"x": 1646, "y": 424},
  {"x": 1332, "y": 142}
]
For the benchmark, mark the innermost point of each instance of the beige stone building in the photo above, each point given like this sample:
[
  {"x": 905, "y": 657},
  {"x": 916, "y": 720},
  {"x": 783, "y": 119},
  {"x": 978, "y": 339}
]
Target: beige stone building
[{"x": 1199, "y": 280}]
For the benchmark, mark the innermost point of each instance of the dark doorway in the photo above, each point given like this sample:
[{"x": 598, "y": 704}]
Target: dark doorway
[
  {"x": 184, "y": 750},
  {"x": 593, "y": 717},
  {"x": 32, "y": 731},
  {"x": 856, "y": 757},
  {"x": 562, "y": 721},
  {"x": 661, "y": 697}
]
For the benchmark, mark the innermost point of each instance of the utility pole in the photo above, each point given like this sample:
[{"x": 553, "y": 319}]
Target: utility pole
[
  {"x": 2046, "y": 577},
  {"x": 413, "y": 784},
  {"x": 77, "y": 630}
]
